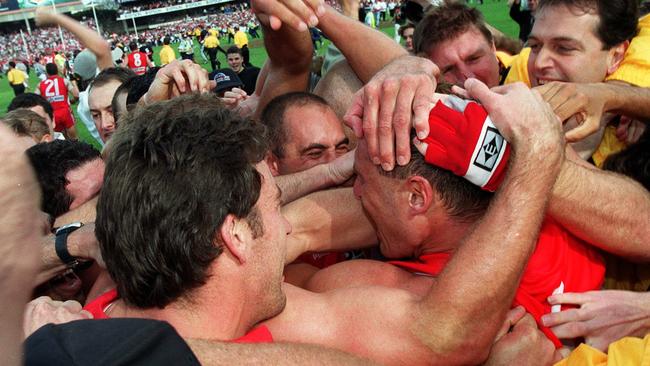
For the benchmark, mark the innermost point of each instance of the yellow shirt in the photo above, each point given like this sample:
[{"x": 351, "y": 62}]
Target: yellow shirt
[
  {"x": 211, "y": 41},
  {"x": 167, "y": 55},
  {"x": 16, "y": 77},
  {"x": 635, "y": 67},
  {"x": 624, "y": 352},
  {"x": 505, "y": 58},
  {"x": 241, "y": 39},
  {"x": 519, "y": 68}
]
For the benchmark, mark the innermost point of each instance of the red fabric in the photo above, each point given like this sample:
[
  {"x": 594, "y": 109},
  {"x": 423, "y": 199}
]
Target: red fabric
[
  {"x": 137, "y": 61},
  {"x": 96, "y": 307},
  {"x": 452, "y": 138},
  {"x": 261, "y": 334},
  {"x": 54, "y": 90},
  {"x": 558, "y": 258},
  {"x": 63, "y": 119}
]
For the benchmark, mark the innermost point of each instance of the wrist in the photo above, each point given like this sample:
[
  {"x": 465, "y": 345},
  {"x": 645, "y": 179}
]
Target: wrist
[{"x": 611, "y": 92}]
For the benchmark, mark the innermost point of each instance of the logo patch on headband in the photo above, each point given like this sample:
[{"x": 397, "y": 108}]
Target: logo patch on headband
[{"x": 490, "y": 148}]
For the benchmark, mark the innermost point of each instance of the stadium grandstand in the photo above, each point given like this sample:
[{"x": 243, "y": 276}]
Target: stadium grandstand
[{"x": 119, "y": 22}]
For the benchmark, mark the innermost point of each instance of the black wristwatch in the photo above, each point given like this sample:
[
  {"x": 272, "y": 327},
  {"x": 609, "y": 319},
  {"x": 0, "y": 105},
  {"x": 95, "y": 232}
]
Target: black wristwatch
[{"x": 61, "y": 243}]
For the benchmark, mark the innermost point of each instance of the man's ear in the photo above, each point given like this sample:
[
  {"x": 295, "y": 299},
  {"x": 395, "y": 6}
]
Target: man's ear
[
  {"x": 420, "y": 194},
  {"x": 235, "y": 235},
  {"x": 615, "y": 57},
  {"x": 273, "y": 162},
  {"x": 46, "y": 138}
]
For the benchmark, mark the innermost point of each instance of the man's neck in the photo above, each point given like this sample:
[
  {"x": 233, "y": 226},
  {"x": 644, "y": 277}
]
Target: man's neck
[
  {"x": 445, "y": 236},
  {"x": 204, "y": 313}
]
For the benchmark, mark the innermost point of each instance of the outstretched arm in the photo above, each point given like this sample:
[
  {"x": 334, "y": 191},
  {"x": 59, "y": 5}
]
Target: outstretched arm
[
  {"x": 88, "y": 38},
  {"x": 354, "y": 39},
  {"x": 327, "y": 220},
  {"x": 219, "y": 353},
  {"x": 289, "y": 60},
  {"x": 606, "y": 209}
]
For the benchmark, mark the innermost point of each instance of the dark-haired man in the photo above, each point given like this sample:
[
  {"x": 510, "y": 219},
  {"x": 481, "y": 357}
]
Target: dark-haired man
[
  {"x": 137, "y": 60},
  {"x": 455, "y": 37},
  {"x": 248, "y": 75},
  {"x": 56, "y": 90},
  {"x": 304, "y": 132},
  {"x": 100, "y": 97},
  {"x": 406, "y": 31},
  {"x": 69, "y": 174}
]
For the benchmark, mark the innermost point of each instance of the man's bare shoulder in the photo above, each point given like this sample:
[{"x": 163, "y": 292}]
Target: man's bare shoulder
[
  {"x": 364, "y": 320},
  {"x": 364, "y": 272}
]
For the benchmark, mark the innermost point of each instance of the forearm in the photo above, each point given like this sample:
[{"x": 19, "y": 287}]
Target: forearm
[
  {"x": 605, "y": 209},
  {"x": 80, "y": 244},
  {"x": 327, "y": 220},
  {"x": 220, "y": 353},
  {"x": 88, "y": 38},
  {"x": 351, "y": 36},
  {"x": 300, "y": 184},
  {"x": 488, "y": 265},
  {"x": 625, "y": 99},
  {"x": 288, "y": 63},
  {"x": 84, "y": 213}
]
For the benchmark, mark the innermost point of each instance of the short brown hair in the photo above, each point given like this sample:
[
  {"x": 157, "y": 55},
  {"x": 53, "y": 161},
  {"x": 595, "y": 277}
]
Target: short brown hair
[
  {"x": 24, "y": 122},
  {"x": 463, "y": 200},
  {"x": 176, "y": 169},
  {"x": 618, "y": 19},
  {"x": 446, "y": 22}
]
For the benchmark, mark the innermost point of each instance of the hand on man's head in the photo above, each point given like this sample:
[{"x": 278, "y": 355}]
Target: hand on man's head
[
  {"x": 177, "y": 78},
  {"x": 396, "y": 100}
]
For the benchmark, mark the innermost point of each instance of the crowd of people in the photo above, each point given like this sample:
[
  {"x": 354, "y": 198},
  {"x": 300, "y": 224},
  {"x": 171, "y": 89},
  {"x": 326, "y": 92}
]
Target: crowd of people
[
  {"x": 445, "y": 201},
  {"x": 43, "y": 41},
  {"x": 149, "y": 5}
]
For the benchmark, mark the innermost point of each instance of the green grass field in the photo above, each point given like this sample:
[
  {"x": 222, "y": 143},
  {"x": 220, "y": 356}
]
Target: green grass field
[{"x": 495, "y": 12}]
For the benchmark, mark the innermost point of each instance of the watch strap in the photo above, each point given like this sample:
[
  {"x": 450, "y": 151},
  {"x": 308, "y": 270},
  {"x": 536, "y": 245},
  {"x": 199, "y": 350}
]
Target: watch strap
[{"x": 61, "y": 247}]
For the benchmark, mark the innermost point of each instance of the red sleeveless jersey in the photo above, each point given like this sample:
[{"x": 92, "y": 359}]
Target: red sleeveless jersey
[
  {"x": 54, "y": 90},
  {"x": 137, "y": 62},
  {"x": 560, "y": 263}
]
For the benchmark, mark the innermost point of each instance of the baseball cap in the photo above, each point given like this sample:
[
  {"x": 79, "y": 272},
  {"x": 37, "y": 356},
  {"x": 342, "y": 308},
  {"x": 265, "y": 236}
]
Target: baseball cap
[
  {"x": 85, "y": 65},
  {"x": 226, "y": 79}
]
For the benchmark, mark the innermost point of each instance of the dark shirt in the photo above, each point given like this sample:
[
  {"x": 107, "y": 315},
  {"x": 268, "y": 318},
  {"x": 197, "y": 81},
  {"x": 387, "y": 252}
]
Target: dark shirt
[
  {"x": 248, "y": 76},
  {"x": 524, "y": 18}
]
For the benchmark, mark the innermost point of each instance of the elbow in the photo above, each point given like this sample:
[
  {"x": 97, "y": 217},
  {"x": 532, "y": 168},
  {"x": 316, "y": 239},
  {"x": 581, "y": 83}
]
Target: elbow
[
  {"x": 103, "y": 48},
  {"x": 456, "y": 345},
  {"x": 466, "y": 352}
]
